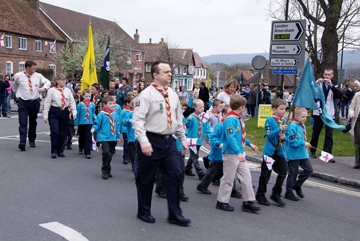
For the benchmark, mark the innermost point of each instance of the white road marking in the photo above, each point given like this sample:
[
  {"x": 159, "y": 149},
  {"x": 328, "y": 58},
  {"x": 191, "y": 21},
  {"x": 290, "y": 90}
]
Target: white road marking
[{"x": 64, "y": 231}]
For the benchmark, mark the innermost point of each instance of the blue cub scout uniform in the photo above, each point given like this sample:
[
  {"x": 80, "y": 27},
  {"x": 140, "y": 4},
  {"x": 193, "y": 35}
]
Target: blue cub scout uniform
[
  {"x": 216, "y": 139},
  {"x": 295, "y": 142},
  {"x": 192, "y": 127},
  {"x": 129, "y": 128},
  {"x": 103, "y": 128},
  {"x": 272, "y": 131},
  {"x": 81, "y": 114},
  {"x": 123, "y": 128}
]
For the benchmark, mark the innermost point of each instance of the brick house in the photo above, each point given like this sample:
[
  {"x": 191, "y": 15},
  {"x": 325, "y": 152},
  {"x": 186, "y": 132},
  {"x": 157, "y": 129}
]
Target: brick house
[
  {"x": 27, "y": 36},
  {"x": 183, "y": 68}
]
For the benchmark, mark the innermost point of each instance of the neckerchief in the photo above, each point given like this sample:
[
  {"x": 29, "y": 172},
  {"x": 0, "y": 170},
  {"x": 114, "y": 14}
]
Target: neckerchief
[
  {"x": 112, "y": 126},
  {"x": 200, "y": 125},
  {"x": 165, "y": 93},
  {"x": 302, "y": 126},
  {"x": 87, "y": 114},
  {"x": 29, "y": 81},
  {"x": 217, "y": 115},
  {"x": 228, "y": 92},
  {"x": 243, "y": 131},
  {"x": 62, "y": 97}
]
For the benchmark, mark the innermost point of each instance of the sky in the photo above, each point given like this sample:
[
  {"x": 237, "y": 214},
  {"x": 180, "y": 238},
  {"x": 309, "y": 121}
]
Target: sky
[{"x": 206, "y": 26}]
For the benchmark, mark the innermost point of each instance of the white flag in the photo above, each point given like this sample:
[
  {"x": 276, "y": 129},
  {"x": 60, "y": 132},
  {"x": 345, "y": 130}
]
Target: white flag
[
  {"x": 2, "y": 41},
  {"x": 204, "y": 117},
  {"x": 191, "y": 142},
  {"x": 53, "y": 46},
  {"x": 326, "y": 157},
  {"x": 269, "y": 162},
  {"x": 94, "y": 146}
]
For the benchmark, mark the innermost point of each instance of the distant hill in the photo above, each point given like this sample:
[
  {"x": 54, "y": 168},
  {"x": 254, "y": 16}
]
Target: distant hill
[{"x": 351, "y": 58}]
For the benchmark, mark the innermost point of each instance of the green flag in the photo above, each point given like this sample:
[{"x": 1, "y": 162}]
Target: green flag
[{"x": 105, "y": 65}]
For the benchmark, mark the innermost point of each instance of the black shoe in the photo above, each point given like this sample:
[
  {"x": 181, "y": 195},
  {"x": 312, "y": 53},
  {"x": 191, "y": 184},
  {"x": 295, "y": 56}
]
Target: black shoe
[
  {"x": 189, "y": 174},
  {"x": 224, "y": 206},
  {"x": 105, "y": 176},
  {"x": 299, "y": 192},
  {"x": 202, "y": 190},
  {"x": 277, "y": 199},
  {"x": 68, "y": 147},
  {"x": 109, "y": 175},
  {"x": 32, "y": 144},
  {"x": 250, "y": 207},
  {"x": 125, "y": 162},
  {"x": 356, "y": 167},
  {"x": 179, "y": 220},
  {"x": 146, "y": 218},
  {"x": 161, "y": 194},
  {"x": 201, "y": 175},
  {"x": 332, "y": 161},
  {"x": 61, "y": 154},
  {"x": 21, "y": 146},
  {"x": 291, "y": 196},
  {"x": 261, "y": 199},
  {"x": 184, "y": 198},
  {"x": 88, "y": 156},
  {"x": 216, "y": 182},
  {"x": 81, "y": 152},
  {"x": 53, "y": 155},
  {"x": 236, "y": 194},
  {"x": 313, "y": 155}
]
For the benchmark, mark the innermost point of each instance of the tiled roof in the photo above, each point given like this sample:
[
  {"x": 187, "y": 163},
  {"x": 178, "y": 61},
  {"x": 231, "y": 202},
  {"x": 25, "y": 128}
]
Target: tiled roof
[
  {"x": 181, "y": 56},
  {"x": 199, "y": 63},
  {"x": 19, "y": 17},
  {"x": 74, "y": 24},
  {"x": 288, "y": 79},
  {"x": 246, "y": 73},
  {"x": 155, "y": 52}
]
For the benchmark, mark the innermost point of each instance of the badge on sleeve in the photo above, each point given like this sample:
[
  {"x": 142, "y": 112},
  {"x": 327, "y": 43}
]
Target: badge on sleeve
[
  {"x": 137, "y": 104},
  {"x": 229, "y": 130}
]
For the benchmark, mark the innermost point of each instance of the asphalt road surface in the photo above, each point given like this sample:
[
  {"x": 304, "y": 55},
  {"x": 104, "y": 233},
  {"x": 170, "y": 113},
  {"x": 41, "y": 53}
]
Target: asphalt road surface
[{"x": 66, "y": 199}]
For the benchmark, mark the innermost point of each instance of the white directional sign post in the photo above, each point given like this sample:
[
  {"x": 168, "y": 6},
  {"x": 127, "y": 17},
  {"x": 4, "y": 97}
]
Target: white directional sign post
[{"x": 287, "y": 45}]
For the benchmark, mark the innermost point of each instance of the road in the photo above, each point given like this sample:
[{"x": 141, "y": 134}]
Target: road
[{"x": 37, "y": 190}]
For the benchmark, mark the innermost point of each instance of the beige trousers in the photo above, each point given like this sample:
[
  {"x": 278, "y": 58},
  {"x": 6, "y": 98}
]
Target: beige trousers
[{"x": 231, "y": 167}]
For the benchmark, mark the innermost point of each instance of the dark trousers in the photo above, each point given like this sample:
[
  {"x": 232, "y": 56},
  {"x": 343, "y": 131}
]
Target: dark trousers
[
  {"x": 211, "y": 172},
  {"x": 357, "y": 142},
  {"x": 108, "y": 149},
  {"x": 166, "y": 157},
  {"x": 280, "y": 168},
  {"x": 251, "y": 109},
  {"x": 132, "y": 153},
  {"x": 194, "y": 159},
  {"x": 317, "y": 128},
  {"x": 70, "y": 132},
  {"x": 85, "y": 140},
  {"x": 28, "y": 109},
  {"x": 125, "y": 147},
  {"x": 3, "y": 105},
  {"x": 58, "y": 120},
  {"x": 293, "y": 168}
]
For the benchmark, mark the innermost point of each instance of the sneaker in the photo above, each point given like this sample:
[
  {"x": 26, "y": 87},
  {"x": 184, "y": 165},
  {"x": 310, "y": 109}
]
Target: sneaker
[
  {"x": 261, "y": 199},
  {"x": 224, "y": 206},
  {"x": 291, "y": 196},
  {"x": 250, "y": 207},
  {"x": 277, "y": 199},
  {"x": 105, "y": 176}
]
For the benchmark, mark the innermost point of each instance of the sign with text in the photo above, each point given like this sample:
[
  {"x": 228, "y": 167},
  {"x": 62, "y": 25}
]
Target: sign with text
[
  {"x": 264, "y": 112},
  {"x": 287, "y": 45},
  {"x": 285, "y": 71}
]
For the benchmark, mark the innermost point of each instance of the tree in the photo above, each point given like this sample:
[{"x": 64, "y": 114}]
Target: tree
[
  {"x": 333, "y": 20},
  {"x": 70, "y": 57}
]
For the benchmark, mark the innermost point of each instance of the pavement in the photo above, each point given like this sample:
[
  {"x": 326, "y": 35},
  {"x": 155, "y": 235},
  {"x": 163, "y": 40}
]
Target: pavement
[{"x": 340, "y": 172}]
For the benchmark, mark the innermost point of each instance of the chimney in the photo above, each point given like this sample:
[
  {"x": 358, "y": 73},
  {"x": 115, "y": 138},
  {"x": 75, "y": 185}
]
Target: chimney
[
  {"x": 150, "y": 41},
  {"x": 34, "y": 4},
  {"x": 136, "y": 36},
  {"x": 162, "y": 41}
]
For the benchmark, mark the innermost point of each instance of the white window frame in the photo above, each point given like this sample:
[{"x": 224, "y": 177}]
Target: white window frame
[
  {"x": 22, "y": 42},
  {"x": 9, "y": 67},
  {"x": 148, "y": 67},
  {"x": 138, "y": 56},
  {"x": 176, "y": 70},
  {"x": 190, "y": 84},
  {"x": 181, "y": 69},
  {"x": 53, "y": 66},
  {"x": 185, "y": 70},
  {"x": 38, "y": 46},
  {"x": 129, "y": 54},
  {"x": 8, "y": 43},
  {"x": 21, "y": 66}
]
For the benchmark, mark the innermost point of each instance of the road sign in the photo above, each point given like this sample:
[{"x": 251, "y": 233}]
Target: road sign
[
  {"x": 286, "y": 49},
  {"x": 284, "y": 62},
  {"x": 285, "y": 71},
  {"x": 287, "y": 30},
  {"x": 287, "y": 45}
]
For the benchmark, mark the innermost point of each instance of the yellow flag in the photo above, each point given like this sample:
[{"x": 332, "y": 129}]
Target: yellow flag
[
  {"x": 89, "y": 69},
  {"x": 208, "y": 81}
]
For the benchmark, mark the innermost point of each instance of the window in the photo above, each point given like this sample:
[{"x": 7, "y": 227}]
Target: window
[
  {"x": 190, "y": 85},
  {"x": 138, "y": 56},
  {"x": 22, "y": 43},
  {"x": 21, "y": 66},
  {"x": 176, "y": 70},
  {"x": 129, "y": 55},
  {"x": 8, "y": 41},
  {"x": 38, "y": 45},
  {"x": 53, "y": 67},
  {"x": 9, "y": 67},
  {"x": 148, "y": 67},
  {"x": 185, "y": 70},
  {"x": 181, "y": 69},
  {"x": 52, "y": 46}
]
